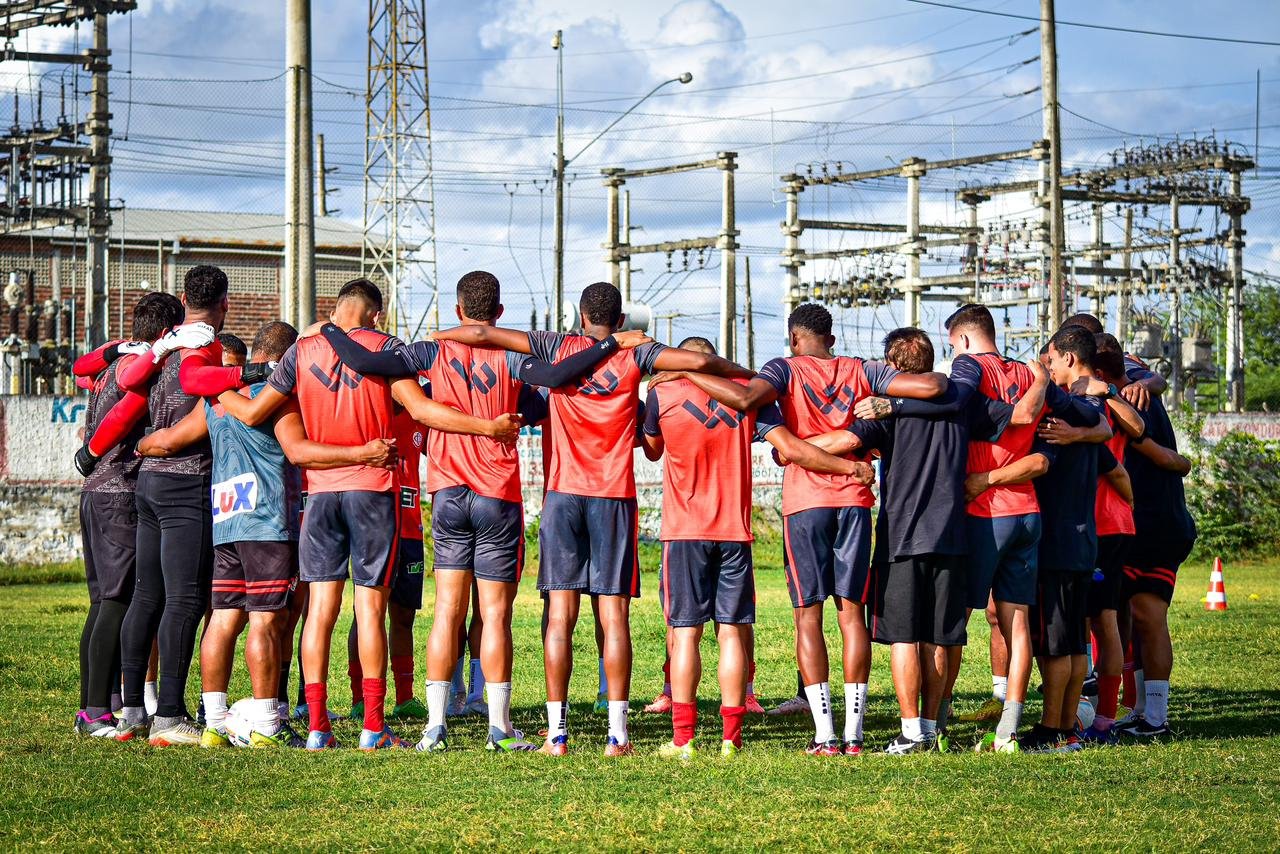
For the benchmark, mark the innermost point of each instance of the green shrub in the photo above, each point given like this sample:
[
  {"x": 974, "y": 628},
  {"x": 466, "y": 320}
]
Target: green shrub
[{"x": 1233, "y": 492}]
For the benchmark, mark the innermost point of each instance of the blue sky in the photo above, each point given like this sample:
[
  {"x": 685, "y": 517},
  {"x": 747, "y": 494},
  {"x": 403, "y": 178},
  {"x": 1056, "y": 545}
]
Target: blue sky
[{"x": 788, "y": 86}]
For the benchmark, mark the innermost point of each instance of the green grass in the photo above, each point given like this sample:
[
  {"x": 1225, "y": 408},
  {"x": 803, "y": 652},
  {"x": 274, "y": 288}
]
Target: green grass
[{"x": 1218, "y": 785}]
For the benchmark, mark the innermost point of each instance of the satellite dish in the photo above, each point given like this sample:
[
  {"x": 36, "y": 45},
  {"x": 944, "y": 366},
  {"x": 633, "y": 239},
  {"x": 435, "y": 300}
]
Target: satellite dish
[{"x": 635, "y": 315}]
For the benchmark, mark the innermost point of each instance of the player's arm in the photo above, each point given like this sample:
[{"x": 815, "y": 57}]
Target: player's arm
[
  {"x": 492, "y": 337},
  {"x": 570, "y": 369},
  {"x": 379, "y": 363},
  {"x": 921, "y": 386},
  {"x": 1055, "y": 431},
  {"x": 650, "y": 437},
  {"x": 253, "y": 411},
  {"x": 437, "y": 416},
  {"x": 1031, "y": 405},
  {"x": 168, "y": 441},
  {"x": 1165, "y": 458},
  {"x": 1126, "y": 416},
  {"x": 304, "y": 453},
  {"x": 808, "y": 455},
  {"x": 1119, "y": 480},
  {"x": 93, "y": 363},
  {"x": 1144, "y": 384},
  {"x": 1024, "y": 470},
  {"x": 677, "y": 359},
  {"x": 755, "y": 394},
  {"x": 137, "y": 375}
]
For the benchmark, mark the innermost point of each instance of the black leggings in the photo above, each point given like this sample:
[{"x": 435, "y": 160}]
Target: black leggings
[
  {"x": 100, "y": 654},
  {"x": 175, "y": 572}
]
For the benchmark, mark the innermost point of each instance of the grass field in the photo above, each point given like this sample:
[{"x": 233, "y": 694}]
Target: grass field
[{"x": 1218, "y": 786}]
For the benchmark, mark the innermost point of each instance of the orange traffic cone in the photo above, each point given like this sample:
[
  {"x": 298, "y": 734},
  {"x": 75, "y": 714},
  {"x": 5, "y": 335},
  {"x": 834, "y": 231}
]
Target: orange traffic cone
[{"x": 1216, "y": 600}]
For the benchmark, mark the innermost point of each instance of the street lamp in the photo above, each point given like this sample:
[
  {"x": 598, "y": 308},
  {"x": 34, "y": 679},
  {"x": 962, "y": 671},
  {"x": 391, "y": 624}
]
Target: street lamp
[{"x": 557, "y": 44}]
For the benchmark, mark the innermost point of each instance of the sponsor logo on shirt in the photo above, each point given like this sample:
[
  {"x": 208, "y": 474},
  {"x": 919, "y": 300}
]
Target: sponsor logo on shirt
[
  {"x": 831, "y": 397},
  {"x": 343, "y": 376},
  {"x": 479, "y": 375},
  {"x": 606, "y": 385},
  {"x": 234, "y": 497},
  {"x": 714, "y": 415},
  {"x": 408, "y": 497}
]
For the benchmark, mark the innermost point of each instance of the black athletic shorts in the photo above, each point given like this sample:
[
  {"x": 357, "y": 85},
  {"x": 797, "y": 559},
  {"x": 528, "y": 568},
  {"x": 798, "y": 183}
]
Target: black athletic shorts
[
  {"x": 589, "y": 544},
  {"x": 1105, "y": 589},
  {"x": 476, "y": 532},
  {"x": 359, "y": 527},
  {"x": 109, "y": 536},
  {"x": 1058, "y": 619},
  {"x": 920, "y": 599},
  {"x": 704, "y": 580},
  {"x": 254, "y": 576},
  {"x": 827, "y": 552},
  {"x": 1152, "y": 567},
  {"x": 406, "y": 585}
]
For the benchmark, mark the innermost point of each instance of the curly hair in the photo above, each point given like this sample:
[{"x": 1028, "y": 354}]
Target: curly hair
[
  {"x": 810, "y": 317},
  {"x": 204, "y": 286},
  {"x": 479, "y": 295},
  {"x": 601, "y": 304}
]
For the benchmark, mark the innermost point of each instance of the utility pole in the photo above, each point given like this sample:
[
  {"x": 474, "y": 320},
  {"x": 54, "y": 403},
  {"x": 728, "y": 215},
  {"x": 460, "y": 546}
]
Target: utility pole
[
  {"x": 1053, "y": 223},
  {"x": 99, "y": 168},
  {"x": 1235, "y": 300},
  {"x": 298, "y": 299},
  {"x": 557, "y": 275},
  {"x": 728, "y": 245},
  {"x": 751, "y": 327},
  {"x": 1175, "y": 314},
  {"x": 1124, "y": 311},
  {"x": 912, "y": 168},
  {"x": 626, "y": 242},
  {"x": 322, "y": 173}
]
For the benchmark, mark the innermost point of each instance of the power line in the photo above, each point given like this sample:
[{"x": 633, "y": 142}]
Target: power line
[{"x": 1061, "y": 23}]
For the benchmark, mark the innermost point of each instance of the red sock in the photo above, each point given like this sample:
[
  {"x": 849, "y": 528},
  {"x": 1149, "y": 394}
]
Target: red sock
[
  {"x": 375, "y": 695},
  {"x": 355, "y": 674},
  {"x": 317, "y": 694},
  {"x": 732, "y": 718},
  {"x": 402, "y": 671},
  {"x": 684, "y": 720},
  {"x": 1108, "y": 695}
]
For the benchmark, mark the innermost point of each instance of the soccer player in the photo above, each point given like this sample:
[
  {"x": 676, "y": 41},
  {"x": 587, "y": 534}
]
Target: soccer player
[
  {"x": 235, "y": 354},
  {"x": 476, "y": 507},
  {"x": 826, "y": 518},
  {"x": 109, "y": 523},
  {"x": 707, "y": 572},
  {"x": 920, "y": 593},
  {"x": 588, "y": 534},
  {"x": 351, "y": 515},
  {"x": 1068, "y": 551}
]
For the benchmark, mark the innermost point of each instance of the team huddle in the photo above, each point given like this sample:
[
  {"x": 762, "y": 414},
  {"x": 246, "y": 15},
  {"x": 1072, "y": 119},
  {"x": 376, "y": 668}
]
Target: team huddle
[{"x": 243, "y": 487}]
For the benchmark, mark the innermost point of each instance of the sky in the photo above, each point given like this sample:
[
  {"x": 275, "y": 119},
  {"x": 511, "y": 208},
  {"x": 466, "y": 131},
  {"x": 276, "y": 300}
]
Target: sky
[{"x": 800, "y": 87}]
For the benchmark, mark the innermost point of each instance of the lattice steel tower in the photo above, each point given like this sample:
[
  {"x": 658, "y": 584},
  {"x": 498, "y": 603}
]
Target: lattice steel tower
[{"x": 399, "y": 197}]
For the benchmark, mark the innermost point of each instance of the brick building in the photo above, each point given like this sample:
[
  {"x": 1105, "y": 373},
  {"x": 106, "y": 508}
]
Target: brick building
[{"x": 152, "y": 249}]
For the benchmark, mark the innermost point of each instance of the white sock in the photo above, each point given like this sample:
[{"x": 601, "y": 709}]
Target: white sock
[
  {"x": 150, "y": 698},
  {"x": 1000, "y": 687},
  {"x": 500, "y": 706},
  {"x": 266, "y": 717},
  {"x": 1140, "y": 689},
  {"x": 1156, "y": 692},
  {"x": 476, "y": 690},
  {"x": 819, "y": 695},
  {"x": 928, "y": 728},
  {"x": 437, "y": 700},
  {"x": 457, "y": 684},
  {"x": 557, "y": 719},
  {"x": 604, "y": 678},
  {"x": 618, "y": 720},
  {"x": 133, "y": 714},
  {"x": 855, "y": 709},
  {"x": 215, "y": 708},
  {"x": 911, "y": 729}
]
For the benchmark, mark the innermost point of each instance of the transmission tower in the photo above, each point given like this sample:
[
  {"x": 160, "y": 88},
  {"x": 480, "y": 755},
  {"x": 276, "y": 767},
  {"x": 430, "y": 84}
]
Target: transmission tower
[{"x": 399, "y": 197}]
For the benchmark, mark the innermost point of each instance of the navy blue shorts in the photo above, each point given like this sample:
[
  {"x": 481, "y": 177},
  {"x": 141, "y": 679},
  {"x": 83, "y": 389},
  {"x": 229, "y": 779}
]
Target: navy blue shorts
[
  {"x": 359, "y": 527},
  {"x": 475, "y": 532},
  {"x": 1004, "y": 554},
  {"x": 703, "y": 580},
  {"x": 920, "y": 599},
  {"x": 406, "y": 584},
  {"x": 1060, "y": 616},
  {"x": 827, "y": 553},
  {"x": 589, "y": 544},
  {"x": 253, "y": 575},
  {"x": 109, "y": 535},
  {"x": 1108, "y": 578}
]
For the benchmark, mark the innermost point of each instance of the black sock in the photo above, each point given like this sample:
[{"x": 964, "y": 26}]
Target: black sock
[{"x": 282, "y": 687}]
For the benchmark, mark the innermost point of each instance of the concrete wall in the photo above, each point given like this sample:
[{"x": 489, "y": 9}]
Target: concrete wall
[{"x": 39, "y": 487}]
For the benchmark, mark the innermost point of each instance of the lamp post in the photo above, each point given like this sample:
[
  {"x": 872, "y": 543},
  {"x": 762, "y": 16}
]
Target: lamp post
[{"x": 557, "y": 44}]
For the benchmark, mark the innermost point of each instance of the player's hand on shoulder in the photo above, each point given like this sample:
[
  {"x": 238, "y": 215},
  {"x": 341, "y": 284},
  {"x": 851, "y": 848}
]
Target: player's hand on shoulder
[
  {"x": 313, "y": 330},
  {"x": 975, "y": 484},
  {"x": 133, "y": 348},
  {"x": 1088, "y": 385},
  {"x": 1037, "y": 367},
  {"x": 873, "y": 408},
  {"x": 379, "y": 453},
  {"x": 1137, "y": 396},
  {"x": 864, "y": 473},
  {"x": 188, "y": 336},
  {"x": 665, "y": 377},
  {"x": 1056, "y": 432},
  {"x": 631, "y": 339},
  {"x": 506, "y": 427}
]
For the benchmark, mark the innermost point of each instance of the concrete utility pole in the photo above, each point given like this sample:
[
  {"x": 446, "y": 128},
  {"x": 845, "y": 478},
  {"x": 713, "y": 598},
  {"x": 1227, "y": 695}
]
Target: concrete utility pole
[
  {"x": 298, "y": 298},
  {"x": 1051, "y": 171},
  {"x": 1235, "y": 301},
  {"x": 1175, "y": 313},
  {"x": 751, "y": 326},
  {"x": 99, "y": 169},
  {"x": 557, "y": 275},
  {"x": 728, "y": 245},
  {"x": 1124, "y": 312},
  {"x": 626, "y": 241},
  {"x": 322, "y": 178},
  {"x": 912, "y": 168}
]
